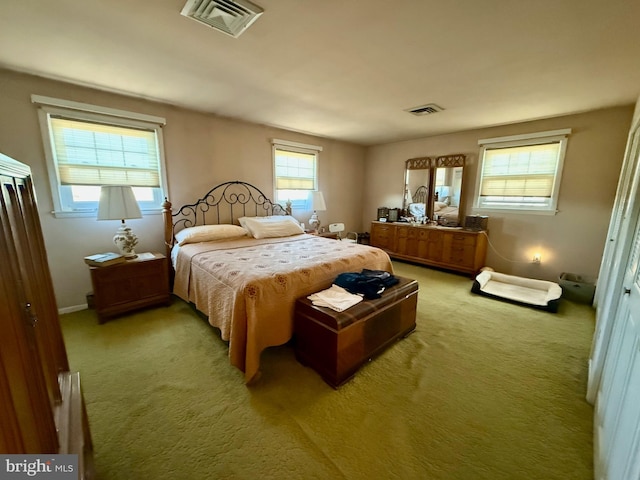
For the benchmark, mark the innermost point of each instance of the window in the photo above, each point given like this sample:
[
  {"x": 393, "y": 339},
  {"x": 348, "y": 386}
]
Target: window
[
  {"x": 295, "y": 167},
  {"x": 521, "y": 172},
  {"x": 87, "y": 147}
]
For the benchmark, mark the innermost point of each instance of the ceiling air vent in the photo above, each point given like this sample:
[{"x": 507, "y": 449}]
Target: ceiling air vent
[
  {"x": 228, "y": 16},
  {"x": 425, "y": 109}
]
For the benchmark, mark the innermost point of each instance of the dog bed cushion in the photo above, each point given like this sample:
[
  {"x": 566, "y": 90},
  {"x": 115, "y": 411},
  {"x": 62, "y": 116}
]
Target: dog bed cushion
[{"x": 525, "y": 291}]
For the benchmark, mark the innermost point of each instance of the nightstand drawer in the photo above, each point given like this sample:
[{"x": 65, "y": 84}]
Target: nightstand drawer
[
  {"x": 138, "y": 283},
  {"x": 130, "y": 270}
]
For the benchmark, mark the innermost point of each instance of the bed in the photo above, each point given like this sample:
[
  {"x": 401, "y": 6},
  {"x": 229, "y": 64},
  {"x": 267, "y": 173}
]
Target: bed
[
  {"x": 246, "y": 284},
  {"x": 443, "y": 209}
]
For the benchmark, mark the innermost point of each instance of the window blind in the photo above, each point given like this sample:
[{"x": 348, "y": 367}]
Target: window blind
[
  {"x": 294, "y": 170},
  {"x": 88, "y": 153},
  {"x": 523, "y": 171}
]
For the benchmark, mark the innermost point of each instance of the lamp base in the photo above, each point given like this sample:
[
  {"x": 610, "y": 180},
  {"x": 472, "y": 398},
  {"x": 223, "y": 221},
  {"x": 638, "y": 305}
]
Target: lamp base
[
  {"x": 126, "y": 241},
  {"x": 314, "y": 222}
]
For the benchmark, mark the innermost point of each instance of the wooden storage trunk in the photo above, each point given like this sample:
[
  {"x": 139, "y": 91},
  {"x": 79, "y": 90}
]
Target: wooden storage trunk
[{"x": 336, "y": 344}]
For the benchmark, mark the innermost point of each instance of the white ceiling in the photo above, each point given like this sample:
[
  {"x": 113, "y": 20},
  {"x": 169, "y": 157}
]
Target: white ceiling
[{"x": 344, "y": 69}]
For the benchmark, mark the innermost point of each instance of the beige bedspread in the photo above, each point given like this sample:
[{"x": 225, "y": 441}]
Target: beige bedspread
[{"x": 247, "y": 288}]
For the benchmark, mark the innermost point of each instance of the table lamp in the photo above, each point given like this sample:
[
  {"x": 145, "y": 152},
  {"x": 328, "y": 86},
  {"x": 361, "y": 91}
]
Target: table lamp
[
  {"x": 444, "y": 192},
  {"x": 119, "y": 203},
  {"x": 408, "y": 199},
  {"x": 317, "y": 204}
]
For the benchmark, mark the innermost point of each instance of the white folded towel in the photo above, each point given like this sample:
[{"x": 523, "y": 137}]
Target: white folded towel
[{"x": 335, "y": 298}]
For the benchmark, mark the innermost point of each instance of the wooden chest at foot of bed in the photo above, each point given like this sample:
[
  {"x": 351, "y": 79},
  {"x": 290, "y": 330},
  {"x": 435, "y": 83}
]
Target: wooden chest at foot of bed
[{"x": 336, "y": 344}]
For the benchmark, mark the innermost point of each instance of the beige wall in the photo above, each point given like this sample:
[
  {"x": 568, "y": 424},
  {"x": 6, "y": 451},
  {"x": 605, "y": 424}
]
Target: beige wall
[
  {"x": 571, "y": 241},
  {"x": 201, "y": 151}
]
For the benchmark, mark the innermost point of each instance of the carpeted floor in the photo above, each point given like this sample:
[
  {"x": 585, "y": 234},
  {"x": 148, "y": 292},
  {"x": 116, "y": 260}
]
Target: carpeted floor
[{"x": 482, "y": 390}]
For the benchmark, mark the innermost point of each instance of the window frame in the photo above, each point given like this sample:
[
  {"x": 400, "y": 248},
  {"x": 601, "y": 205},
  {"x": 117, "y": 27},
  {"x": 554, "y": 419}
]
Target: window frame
[
  {"x": 296, "y": 147},
  {"x": 552, "y": 136},
  {"x": 48, "y": 106}
]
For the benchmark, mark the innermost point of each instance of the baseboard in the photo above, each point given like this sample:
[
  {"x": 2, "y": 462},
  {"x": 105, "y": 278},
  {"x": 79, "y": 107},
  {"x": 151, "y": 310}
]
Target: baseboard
[
  {"x": 592, "y": 389},
  {"x": 74, "y": 308},
  {"x": 598, "y": 467}
]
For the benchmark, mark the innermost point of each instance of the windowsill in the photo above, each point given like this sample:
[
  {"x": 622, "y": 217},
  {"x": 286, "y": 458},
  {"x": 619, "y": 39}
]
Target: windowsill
[
  {"x": 517, "y": 211},
  {"x": 93, "y": 213}
]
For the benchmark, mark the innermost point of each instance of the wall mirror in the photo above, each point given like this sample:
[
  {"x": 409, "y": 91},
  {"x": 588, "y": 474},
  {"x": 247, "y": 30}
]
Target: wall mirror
[{"x": 434, "y": 186}]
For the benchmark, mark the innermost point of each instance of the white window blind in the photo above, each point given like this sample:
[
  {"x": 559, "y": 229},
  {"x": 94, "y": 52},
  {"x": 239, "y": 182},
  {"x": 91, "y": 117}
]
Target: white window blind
[
  {"x": 87, "y": 146},
  {"x": 295, "y": 170},
  {"x": 98, "y": 154},
  {"x": 520, "y": 171}
]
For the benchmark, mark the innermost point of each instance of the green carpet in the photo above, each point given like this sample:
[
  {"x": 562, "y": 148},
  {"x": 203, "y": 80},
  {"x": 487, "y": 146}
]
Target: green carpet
[{"x": 482, "y": 390}]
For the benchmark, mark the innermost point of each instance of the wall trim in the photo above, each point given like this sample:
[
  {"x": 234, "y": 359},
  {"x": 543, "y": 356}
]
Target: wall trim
[
  {"x": 85, "y": 107},
  {"x": 73, "y": 308}
]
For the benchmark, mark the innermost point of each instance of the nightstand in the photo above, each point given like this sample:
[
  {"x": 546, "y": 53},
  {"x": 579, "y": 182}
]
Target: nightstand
[
  {"x": 137, "y": 283},
  {"x": 323, "y": 234}
]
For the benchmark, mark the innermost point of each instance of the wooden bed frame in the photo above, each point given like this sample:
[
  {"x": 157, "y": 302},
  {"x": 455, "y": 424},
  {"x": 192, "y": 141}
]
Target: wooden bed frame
[{"x": 224, "y": 203}]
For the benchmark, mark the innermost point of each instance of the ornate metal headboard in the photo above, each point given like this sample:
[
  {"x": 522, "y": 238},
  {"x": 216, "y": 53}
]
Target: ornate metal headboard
[
  {"x": 224, "y": 203},
  {"x": 421, "y": 195}
]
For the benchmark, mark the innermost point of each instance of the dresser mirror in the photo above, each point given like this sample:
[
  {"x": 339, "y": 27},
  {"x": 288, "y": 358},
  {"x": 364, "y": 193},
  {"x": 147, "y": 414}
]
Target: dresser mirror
[{"x": 433, "y": 189}]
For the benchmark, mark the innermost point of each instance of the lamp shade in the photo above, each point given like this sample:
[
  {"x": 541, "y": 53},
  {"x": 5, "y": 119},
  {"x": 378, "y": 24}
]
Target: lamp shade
[
  {"x": 117, "y": 203},
  {"x": 317, "y": 201},
  {"x": 407, "y": 196},
  {"x": 444, "y": 191}
]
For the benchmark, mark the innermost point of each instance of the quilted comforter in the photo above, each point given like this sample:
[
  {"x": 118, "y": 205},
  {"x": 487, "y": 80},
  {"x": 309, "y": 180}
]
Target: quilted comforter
[{"x": 247, "y": 288}]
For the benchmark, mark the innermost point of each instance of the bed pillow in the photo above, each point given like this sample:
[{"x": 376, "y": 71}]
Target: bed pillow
[
  {"x": 417, "y": 209},
  {"x": 437, "y": 206},
  {"x": 271, "y": 227},
  {"x": 269, "y": 218},
  {"x": 209, "y": 233}
]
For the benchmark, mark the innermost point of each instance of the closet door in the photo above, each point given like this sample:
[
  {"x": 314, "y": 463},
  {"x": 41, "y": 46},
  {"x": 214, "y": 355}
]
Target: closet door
[
  {"x": 617, "y": 416},
  {"x": 26, "y": 411},
  {"x": 607, "y": 266},
  {"x": 615, "y": 259}
]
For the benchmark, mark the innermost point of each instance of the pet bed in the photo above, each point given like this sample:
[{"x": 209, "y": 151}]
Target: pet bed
[{"x": 523, "y": 291}]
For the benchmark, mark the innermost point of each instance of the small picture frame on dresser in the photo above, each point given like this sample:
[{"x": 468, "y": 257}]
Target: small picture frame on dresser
[
  {"x": 393, "y": 214},
  {"x": 383, "y": 212}
]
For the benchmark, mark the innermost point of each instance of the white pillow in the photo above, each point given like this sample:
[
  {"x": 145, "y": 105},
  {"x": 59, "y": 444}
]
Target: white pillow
[
  {"x": 270, "y": 227},
  {"x": 417, "y": 209},
  {"x": 437, "y": 206},
  {"x": 209, "y": 233},
  {"x": 267, "y": 219}
]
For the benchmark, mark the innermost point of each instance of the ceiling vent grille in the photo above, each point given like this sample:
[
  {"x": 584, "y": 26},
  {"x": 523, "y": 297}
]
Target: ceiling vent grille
[
  {"x": 425, "y": 109},
  {"x": 228, "y": 16}
]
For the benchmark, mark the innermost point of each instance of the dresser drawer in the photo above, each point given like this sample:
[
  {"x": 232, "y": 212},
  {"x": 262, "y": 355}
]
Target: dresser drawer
[
  {"x": 463, "y": 239},
  {"x": 461, "y": 255},
  {"x": 382, "y": 236},
  {"x": 407, "y": 232},
  {"x": 450, "y": 248}
]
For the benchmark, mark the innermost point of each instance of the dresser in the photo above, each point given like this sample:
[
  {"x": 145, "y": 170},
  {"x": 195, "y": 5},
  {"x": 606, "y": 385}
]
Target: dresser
[
  {"x": 449, "y": 248},
  {"x": 43, "y": 410}
]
